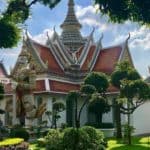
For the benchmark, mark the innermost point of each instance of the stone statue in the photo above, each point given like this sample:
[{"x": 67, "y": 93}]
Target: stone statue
[{"x": 26, "y": 83}]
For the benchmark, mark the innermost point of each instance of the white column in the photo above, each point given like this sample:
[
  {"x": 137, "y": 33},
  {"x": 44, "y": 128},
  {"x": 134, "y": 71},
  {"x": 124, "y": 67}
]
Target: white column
[
  {"x": 49, "y": 108},
  {"x": 14, "y": 118}
]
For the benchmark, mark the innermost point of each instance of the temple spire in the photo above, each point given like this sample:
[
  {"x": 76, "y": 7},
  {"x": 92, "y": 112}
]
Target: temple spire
[
  {"x": 71, "y": 36},
  {"x": 71, "y": 17}
]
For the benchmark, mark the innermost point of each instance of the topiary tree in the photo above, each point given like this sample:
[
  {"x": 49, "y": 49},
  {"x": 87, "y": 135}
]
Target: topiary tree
[
  {"x": 93, "y": 90},
  {"x": 99, "y": 81},
  {"x": 133, "y": 90},
  {"x": 122, "y": 71},
  {"x": 99, "y": 104},
  {"x": 74, "y": 97}
]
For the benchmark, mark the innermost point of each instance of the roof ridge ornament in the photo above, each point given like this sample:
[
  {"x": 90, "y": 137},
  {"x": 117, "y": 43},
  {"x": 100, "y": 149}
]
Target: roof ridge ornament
[
  {"x": 91, "y": 34},
  {"x": 102, "y": 36},
  {"x": 128, "y": 38}
]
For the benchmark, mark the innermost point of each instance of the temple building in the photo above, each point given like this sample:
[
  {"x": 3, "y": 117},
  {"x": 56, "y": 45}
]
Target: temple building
[{"x": 43, "y": 72}]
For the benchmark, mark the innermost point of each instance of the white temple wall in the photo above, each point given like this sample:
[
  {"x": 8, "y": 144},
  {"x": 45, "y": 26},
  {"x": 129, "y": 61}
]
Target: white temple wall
[
  {"x": 108, "y": 117},
  {"x": 47, "y": 98},
  {"x": 62, "y": 120},
  {"x": 2, "y": 106},
  {"x": 141, "y": 119},
  {"x": 83, "y": 118}
]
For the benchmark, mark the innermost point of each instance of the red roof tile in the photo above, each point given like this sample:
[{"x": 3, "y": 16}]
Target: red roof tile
[
  {"x": 40, "y": 85},
  {"x": 78, "y": 53},
  {"x": 8, "y": 88},
  {"x": 47, "y": 57},
  {"x": 57, "y": 86},
  {"x": 88, "y": 58},
  {"x": 107, "y": 60},
  {"x": 111, "y": 88}
]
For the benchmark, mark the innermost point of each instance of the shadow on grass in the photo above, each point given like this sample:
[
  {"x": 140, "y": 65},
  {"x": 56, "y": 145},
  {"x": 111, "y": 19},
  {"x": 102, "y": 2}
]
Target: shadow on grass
[{"x": 132, "y": 147}]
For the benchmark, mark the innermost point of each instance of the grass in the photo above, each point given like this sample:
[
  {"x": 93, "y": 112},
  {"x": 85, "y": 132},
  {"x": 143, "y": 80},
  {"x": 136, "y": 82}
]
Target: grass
[
  {"x": 138, "y": 143},
  {"x": 36, "y": 146}
]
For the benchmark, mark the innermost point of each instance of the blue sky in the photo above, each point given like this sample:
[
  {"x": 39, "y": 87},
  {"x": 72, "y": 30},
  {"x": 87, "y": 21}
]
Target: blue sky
[{"x": 43, "y": 19}]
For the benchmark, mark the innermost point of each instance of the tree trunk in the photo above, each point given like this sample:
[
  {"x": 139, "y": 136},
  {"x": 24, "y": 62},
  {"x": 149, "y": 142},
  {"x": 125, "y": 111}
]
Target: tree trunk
[
  {"x": 118, "y": 121},
  {"x": 117, "y": 118},
  {"x": 129, "y": 132},
  {"x": 76, "y": 114},
  {"x": 99, "y": 118}
]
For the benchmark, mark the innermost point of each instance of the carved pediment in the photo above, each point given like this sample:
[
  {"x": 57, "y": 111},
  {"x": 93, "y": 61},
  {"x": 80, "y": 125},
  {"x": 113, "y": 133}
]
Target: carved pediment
[
  {"x": 25, "y": 61},
  {"x": 127, "y": 56}
]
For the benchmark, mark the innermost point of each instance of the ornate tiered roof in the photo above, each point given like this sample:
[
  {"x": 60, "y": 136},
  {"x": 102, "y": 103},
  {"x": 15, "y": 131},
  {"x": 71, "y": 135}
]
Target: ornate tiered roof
[{"x": 61, "y": 68}]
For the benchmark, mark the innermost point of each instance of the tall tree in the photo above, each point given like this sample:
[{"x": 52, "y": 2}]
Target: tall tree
[
  {"x": 133, "y": 90},
  {"x": 123, "y": 10},
  {"x": 11, "y": 19}
]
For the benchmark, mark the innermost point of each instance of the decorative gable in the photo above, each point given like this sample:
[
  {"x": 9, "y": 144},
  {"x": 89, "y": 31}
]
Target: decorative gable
[{"x": 126, "y": 56}]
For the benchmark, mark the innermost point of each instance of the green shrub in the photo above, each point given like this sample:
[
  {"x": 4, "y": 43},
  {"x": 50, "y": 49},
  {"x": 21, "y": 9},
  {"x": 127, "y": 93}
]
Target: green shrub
[
  {"x": 85, "y": 138},
  {"x": 19, "y": 133},
  {"x": 11, "y": 141},
  {"x": 96, "y": 138},
  {"x": 75, "y": 139},
  {"x": 41, "y": 142},
  {"x": 54, "y": 140}
]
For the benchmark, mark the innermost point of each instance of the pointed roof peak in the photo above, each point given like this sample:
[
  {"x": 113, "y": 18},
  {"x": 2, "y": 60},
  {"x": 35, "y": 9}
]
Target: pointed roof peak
[{"x": 71, "y": 2}]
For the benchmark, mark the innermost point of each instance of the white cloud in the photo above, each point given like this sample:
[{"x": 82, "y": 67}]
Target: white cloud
[
  {"x": 89, "y": 16},
  {"x": 42, "y": 38},
  {"x": 140, "y": 36},
  {"x": 139, "y": 42}
]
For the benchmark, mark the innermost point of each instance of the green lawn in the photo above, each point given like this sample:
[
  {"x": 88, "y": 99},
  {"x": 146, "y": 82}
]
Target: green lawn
[
  {"x": 35, "y": 146},
  {"x": 139, "y": 143}
]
